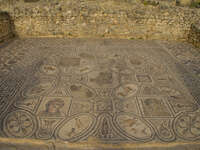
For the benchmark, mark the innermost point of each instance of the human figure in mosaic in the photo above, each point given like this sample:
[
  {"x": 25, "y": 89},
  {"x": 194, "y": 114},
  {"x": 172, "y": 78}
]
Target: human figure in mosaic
[{"x": 53, "y": 108}]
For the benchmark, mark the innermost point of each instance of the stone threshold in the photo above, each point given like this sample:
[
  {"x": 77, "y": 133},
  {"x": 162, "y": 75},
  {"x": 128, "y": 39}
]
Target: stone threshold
[{"x": 91, "y": 144}]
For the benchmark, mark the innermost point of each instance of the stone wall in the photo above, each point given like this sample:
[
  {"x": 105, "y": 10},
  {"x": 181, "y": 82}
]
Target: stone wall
[
  {"x": 194, "y": 35},
  {"x": 5, "y": 27},
  {"x": 131, "y": 19}
]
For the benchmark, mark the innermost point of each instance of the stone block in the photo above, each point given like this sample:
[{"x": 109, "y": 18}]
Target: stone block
[
  {"x": 194, "y": 35},
  {"x": 5, "y": 27}
]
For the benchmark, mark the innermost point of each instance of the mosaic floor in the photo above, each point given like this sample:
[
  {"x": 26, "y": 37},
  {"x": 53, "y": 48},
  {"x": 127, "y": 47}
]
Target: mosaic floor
[{"x": 116, "y": 91}]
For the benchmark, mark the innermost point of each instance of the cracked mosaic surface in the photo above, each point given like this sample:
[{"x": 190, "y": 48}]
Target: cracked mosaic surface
[{"x": 112, "y": 90}]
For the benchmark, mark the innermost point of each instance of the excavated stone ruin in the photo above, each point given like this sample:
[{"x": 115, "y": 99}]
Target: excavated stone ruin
[{"x": 99, "y": 75}]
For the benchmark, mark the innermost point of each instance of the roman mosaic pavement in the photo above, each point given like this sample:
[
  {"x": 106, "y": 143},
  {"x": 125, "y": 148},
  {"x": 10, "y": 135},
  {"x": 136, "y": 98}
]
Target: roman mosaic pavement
[{"x": 112, "y": 90}]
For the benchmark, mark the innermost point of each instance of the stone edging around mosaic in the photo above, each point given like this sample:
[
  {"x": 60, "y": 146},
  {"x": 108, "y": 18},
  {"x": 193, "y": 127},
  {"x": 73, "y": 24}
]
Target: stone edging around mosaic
[{"x": 23, "y": 144}]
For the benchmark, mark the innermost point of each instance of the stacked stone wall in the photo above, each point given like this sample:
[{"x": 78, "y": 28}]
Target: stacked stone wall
[{"x": 130, "y": 19}]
